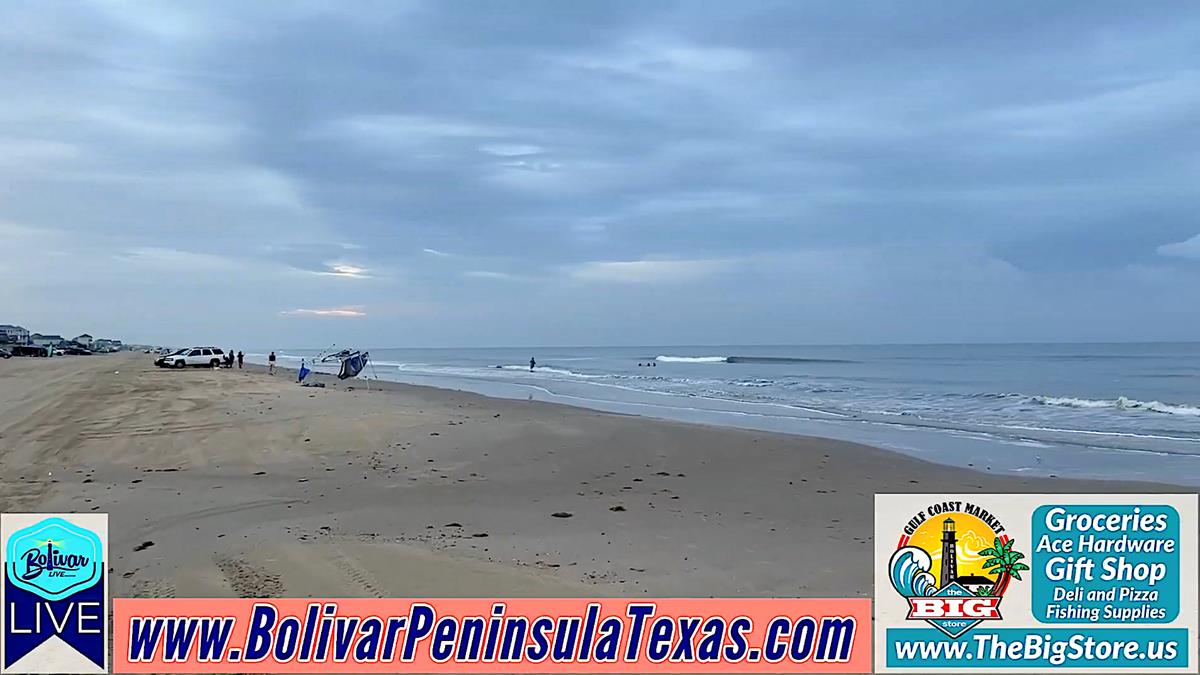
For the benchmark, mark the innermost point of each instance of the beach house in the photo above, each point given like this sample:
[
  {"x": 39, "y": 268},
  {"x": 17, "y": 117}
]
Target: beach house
[
  {"x": 45, "y": 340},
  {"x": 14, "y": 335},
  {"x": 106, "y": 345},
  {"x": 85, "y": 340}
]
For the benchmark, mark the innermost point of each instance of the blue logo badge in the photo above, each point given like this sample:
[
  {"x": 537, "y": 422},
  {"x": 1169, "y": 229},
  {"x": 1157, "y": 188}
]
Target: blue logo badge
[
  {"x": 54, "y": 586},
  {"x": 54, "y": 559}
]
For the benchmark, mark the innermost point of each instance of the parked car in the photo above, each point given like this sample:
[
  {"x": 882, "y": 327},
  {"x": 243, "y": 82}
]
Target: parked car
[
  {"x": 161, "y": 361},
  {"x": 75, "y": 351},
  {"x": 4, "y": 354},
  {"x": 30, "y": 350},
  {"x": 194, "y": 356}
]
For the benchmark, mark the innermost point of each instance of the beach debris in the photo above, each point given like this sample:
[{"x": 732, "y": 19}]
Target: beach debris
[
  {"x": 618, "y": 507},
  {"x": 562, "y": 514},
  {"x": 143, "y": 546},
  {"x": 455, "y": 524},
  {"x": 480, "y": 535}
]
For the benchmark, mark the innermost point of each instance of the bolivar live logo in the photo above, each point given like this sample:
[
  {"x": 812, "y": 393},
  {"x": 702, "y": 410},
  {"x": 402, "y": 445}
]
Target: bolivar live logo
[
  {"x": 976, "y": 563},
  {"x": 55, "y": 597}
]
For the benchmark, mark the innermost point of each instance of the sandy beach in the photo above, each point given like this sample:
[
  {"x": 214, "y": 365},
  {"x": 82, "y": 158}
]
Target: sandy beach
[{"x": 237, "y": 483}]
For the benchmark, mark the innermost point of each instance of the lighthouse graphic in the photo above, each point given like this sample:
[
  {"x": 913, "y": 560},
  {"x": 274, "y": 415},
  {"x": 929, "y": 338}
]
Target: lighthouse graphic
[
  {"x": 949, "y": 553},
  {"x": 953, "y": 592}
]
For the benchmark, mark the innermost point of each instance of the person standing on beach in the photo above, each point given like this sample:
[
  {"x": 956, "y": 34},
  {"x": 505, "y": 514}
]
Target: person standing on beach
[
  {"x": 241, "y": 356},
  {"x": 271, "y": 363},
  {"x": 532, "y": 363}
]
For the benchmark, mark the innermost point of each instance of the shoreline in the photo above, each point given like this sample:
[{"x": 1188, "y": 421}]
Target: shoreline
[
  {"x": 975, "y": 450},
  {"x": 248, "y": 485}
]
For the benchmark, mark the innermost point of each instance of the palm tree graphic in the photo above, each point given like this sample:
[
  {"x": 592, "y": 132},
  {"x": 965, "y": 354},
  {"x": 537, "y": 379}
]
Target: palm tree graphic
[{"x": 1004, "y": 562}]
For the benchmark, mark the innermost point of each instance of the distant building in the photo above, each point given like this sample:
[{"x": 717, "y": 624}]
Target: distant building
[
  {"x": 105, "y": 345},
  {"x": 85, "y": 340},
  {"x": 15, "y": 335},
  {"x": 46, "y": 340}
]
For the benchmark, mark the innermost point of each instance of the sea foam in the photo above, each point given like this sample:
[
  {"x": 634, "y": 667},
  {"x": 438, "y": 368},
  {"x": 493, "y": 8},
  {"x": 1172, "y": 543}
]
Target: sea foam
[{"x": 1120, "y": 402}]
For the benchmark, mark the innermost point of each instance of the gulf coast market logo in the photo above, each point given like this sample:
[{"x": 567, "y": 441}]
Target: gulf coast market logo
[
  {"x": 953, "y": 563},
  {"x": 54, "y": 593}
]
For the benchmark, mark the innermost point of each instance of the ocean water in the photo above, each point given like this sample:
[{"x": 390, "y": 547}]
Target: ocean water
[{"x": 1129, "y": 411}]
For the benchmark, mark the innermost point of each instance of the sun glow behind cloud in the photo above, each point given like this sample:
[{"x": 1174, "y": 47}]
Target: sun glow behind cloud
[
  {"x": 345, "y": 271},
  {"x": 334, "y": 312},
  {"x": 647, "y": 271}
]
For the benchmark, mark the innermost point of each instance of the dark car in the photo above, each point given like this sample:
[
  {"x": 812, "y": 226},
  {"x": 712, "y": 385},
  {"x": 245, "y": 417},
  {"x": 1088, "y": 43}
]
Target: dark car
[
  {"x": 161, "y": 361},
  {"x": 77, "y": 351},
  {"x": 4, "y": 354},
  {"x": 30, "y": 350}
]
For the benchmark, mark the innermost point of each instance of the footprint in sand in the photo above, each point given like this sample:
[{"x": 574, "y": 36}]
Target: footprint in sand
[{"x": 249, "y": 581}]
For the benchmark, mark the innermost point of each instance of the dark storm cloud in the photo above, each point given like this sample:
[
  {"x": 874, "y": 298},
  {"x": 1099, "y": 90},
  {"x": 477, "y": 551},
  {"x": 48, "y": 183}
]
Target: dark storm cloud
[{"x": 864, "y": 164}]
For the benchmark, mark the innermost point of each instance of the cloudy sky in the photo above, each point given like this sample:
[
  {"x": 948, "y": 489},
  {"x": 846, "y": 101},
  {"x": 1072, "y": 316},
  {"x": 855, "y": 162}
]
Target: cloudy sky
[{"x": 551, "y": 173}]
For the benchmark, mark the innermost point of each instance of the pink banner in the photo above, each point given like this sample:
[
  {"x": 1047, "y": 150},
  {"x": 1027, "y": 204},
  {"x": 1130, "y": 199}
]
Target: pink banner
[{"x": 525, "y": 635}]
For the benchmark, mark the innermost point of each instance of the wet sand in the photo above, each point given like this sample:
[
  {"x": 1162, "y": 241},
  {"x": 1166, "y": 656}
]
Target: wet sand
[{"x": 236, "y": 483}]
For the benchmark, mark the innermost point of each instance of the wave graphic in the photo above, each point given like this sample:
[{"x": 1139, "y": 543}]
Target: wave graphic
[
  {"x": 1121, "y": 402},
  {"x": 909, "y": 572}
]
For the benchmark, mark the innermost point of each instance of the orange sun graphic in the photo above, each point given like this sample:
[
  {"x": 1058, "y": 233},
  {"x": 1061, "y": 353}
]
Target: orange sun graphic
[{"x": 972, "y": 534}]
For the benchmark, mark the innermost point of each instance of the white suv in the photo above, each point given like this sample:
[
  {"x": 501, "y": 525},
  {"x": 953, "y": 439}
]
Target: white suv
[{"x": 196, "y": 356}]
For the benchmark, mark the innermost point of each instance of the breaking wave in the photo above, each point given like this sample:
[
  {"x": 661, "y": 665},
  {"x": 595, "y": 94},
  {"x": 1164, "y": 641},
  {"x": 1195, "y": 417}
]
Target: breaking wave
[
  {"x": 743, "y": 359},
  {"x": 1120, "y": 402},
  {"x": 549, "y": 370}
]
